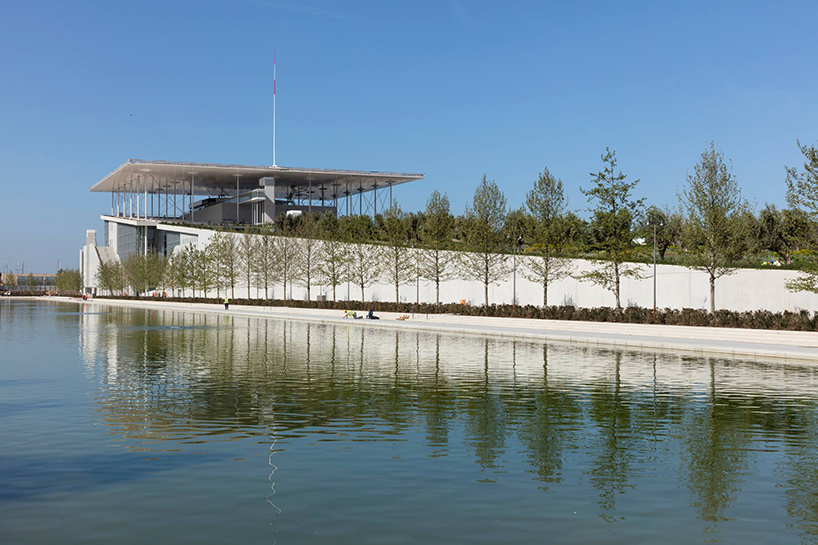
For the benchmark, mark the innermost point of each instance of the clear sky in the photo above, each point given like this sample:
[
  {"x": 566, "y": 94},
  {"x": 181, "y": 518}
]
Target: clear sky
[{"x": 453, "y": 89}]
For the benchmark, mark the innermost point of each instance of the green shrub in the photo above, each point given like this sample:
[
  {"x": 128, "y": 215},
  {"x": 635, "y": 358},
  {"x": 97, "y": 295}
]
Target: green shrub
[{"x": 759, "y": 319}]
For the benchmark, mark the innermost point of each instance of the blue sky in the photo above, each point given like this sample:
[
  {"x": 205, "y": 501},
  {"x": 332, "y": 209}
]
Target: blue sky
[{"x": 451, "y": 89}]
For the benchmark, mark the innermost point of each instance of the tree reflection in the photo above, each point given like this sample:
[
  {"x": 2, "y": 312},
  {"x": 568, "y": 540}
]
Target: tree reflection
[
  {"x": 800, "y": 474},
  {"x": 436, "y": 400},
  {"x": 485, "y": 422},
  {"x": 715, "y": 452},
  {"x": 611, "y": 444},
  {"x": 170, "y": 377},
  {"x": 548, "y": 427}
]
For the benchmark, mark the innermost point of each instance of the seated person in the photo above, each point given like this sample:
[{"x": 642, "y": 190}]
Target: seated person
[{"x": 371, "y": 314}]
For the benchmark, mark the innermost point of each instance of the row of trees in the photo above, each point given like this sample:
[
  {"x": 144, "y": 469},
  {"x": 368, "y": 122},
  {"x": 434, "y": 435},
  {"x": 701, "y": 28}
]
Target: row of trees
[
  {"x": 68, "y": 280},
  {"x": 713, "y": 229}
]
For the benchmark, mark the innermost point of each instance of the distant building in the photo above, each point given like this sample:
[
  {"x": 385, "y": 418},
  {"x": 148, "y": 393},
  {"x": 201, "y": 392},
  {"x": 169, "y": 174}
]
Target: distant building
[
  {"x": 157, "y": 206},
  {"x": 27, "y": 282}
]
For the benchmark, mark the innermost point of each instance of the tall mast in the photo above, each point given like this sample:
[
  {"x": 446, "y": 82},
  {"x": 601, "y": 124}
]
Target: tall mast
[{"x": 274, "y": 107}]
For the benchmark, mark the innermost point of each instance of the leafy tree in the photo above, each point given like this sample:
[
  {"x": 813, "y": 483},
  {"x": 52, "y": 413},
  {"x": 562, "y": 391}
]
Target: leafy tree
[
  {"x": 224, "y": 248},
  {"x": 518, "y": 224},
  {"x": 31, "y": 283},
  {"x": 286, "y": 248},
  {"x": 397, "y": 267},
  {"x": 111, "y": 277},
  {"x": 668, "y": 228},
  {"x": 546, "y": 203},
  {"x": 265, "y": 260},
  {"x": 802, "y": 186},
  {"x": 612, "y": 226},
  {"x": 66, "y": 280},
  {"x": 414, "y": 222},
  {"x": 144, "y": 272},
  {"x": 179, "y": 273},
  {"x": 10, "y": 280},
  {"x": 750, "y": 229},
  {"x": 577, "y": 233},
  {"x": 714, "y": 231},
  {"x": 778, "y": 234},
  {"x": 172, "y": 272},
  {"x": 334, "y": 255},
  {"x": 802, "y": 196},
  {"x": 364, "y": 258},
  {"x": 436, "y": 232},
  {"x": 247, "y": 247},
  {"x": 203, "y": 268},
  {"x": 308, "y": 249},
  {"x": 482, "y": 229}
]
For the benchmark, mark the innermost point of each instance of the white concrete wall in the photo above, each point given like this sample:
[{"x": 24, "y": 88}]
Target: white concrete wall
[{"x": 677, "y": 287}]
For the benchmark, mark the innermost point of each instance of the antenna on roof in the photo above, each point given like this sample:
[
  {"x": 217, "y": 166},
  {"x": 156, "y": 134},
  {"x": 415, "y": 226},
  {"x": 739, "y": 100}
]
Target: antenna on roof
[{"x": 274, "y": 107}]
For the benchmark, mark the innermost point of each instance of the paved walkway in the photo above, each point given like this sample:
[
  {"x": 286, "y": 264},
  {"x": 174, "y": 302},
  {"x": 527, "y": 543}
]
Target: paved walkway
[{"x": 796, "y": 346}]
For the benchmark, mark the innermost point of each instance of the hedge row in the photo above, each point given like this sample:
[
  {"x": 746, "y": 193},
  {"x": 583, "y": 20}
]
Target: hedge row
[{"x": 758, "y": 319}]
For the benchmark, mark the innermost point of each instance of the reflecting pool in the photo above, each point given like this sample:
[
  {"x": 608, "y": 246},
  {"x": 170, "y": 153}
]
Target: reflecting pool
[{"x": 135, "y": 426}]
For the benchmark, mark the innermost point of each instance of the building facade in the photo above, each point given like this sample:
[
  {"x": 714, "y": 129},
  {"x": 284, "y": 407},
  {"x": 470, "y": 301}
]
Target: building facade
[{"x": 159, "y": 206}]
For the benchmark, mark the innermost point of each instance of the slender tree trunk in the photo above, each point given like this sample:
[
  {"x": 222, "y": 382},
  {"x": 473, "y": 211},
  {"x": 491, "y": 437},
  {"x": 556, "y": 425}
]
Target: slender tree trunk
[
  {"x": 397, "y": 278},
  {"x": 545, "y": 293},
  {"x": 362, "y": 292},
  {"x": 545, "y": 279},
  {"x": 437, "y": 290},
  {"x": 616, "y": 285},
  {"x": 712, "y": 292},
  {"x": 486, "y": 277}
]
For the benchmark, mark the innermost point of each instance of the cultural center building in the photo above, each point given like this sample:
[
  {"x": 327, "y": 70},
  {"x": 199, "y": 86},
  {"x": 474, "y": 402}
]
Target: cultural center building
[{"x": 157, "y": 206}]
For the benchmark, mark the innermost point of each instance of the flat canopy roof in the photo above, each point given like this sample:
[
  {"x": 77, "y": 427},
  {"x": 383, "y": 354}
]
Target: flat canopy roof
[{"x": 171, "y": 177}]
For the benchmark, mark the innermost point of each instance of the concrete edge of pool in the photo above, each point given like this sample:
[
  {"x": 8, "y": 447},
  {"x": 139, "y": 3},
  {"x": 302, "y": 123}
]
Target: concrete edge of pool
[{"x": 788, "y": 346}]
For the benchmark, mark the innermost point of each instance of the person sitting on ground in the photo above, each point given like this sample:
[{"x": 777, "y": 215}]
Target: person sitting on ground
[{"x": 371, "y": 314}]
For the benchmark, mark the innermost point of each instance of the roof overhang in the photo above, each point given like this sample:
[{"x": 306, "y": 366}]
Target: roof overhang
[{"x": 171, "y": 177}]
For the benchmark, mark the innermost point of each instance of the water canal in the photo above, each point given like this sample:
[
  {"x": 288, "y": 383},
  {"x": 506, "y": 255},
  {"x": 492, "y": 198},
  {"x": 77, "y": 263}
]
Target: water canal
[{"x": 132, "y": 426}]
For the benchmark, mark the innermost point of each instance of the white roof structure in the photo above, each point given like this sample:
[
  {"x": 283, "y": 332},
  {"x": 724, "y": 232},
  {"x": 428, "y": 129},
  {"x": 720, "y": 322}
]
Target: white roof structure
[{"x": 172, "y": 177}]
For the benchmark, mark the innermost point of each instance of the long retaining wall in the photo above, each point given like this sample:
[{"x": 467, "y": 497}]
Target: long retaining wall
[{"x": 676, "y": 288}]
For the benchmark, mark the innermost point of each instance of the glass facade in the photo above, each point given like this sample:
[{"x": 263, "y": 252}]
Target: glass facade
[
  {"x": 166, "y": 241},
  {"x": 128, "y": 240}
]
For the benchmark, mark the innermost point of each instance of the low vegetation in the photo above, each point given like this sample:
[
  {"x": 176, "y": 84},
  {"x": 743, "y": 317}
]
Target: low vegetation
[{"x": 762, "y": 319}]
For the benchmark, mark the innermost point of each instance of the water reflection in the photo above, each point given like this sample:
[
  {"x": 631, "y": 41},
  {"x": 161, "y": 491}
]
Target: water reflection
[{"x": 606, "y": 421}]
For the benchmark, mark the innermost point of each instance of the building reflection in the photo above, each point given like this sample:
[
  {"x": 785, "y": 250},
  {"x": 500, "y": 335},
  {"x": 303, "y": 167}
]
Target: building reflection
[{"x": 607, "y": 415}]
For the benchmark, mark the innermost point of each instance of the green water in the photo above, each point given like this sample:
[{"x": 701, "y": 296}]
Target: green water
[{"x": 132, "y": 426}]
